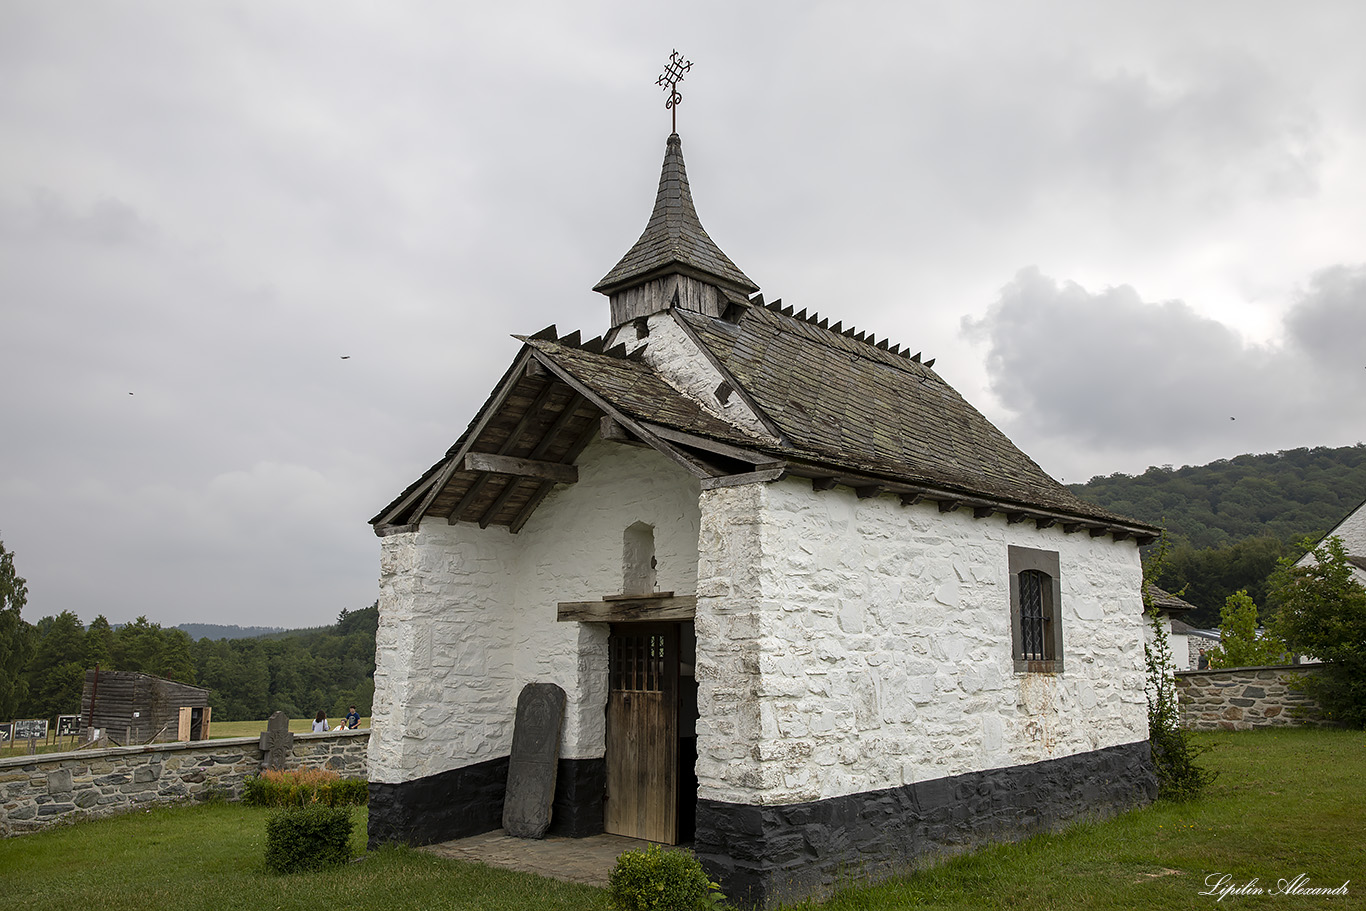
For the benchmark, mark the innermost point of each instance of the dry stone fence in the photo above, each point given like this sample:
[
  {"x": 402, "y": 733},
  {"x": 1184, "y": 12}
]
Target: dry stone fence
[
  {"x": 1243, "y": 698},
  {"x": 41, "y": 791}
]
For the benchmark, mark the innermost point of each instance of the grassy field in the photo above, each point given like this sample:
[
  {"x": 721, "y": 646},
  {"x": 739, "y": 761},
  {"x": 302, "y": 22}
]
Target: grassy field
[
  {"x": 1286, "y": 803},
  {"x": 217, "y": 730}
]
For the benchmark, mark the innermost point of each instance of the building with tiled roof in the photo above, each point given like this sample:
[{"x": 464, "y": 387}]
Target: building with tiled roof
[{"x": 802, "y": 599}]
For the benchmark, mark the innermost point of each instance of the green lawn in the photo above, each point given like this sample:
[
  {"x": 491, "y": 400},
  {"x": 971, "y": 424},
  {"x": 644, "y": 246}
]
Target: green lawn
[{"x": 1286, "y": 802}]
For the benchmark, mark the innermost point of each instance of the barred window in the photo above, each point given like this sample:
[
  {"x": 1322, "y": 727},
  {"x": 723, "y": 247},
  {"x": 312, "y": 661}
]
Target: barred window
[
  {"x": 1035, "y": 616},
  {"x": 1035, "y": 610}
]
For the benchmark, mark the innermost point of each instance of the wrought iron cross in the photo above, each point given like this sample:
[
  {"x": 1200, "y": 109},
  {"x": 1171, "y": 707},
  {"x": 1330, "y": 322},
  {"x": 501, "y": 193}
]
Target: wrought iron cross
[{"x": 669, "y": 79}]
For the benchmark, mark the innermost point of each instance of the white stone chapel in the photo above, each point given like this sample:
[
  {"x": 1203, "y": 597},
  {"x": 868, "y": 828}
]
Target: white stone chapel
[{"x": 812, "y": 612}]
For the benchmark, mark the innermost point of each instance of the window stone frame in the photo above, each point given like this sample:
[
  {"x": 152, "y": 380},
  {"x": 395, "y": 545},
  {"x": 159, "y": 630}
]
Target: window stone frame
[{"x": 1021, "y": 559}]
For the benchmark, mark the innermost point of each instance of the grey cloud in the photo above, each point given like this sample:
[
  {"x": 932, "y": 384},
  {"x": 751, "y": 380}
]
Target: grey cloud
[
  {"x": 1328, "y": 321},
  {"x": 232, "y": 196},
  {"x": 1108, "y": 369},
  {"x": 47, "y": 217}
]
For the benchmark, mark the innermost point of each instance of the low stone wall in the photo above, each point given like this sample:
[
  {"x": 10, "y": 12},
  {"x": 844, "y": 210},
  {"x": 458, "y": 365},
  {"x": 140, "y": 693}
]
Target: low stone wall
[
  {"x": 1243, "y": 698},
  {"x": 37, "y": 792}
]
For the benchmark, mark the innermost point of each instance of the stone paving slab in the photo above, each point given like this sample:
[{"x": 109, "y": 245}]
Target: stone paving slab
[{"x": 575, "y": 860}]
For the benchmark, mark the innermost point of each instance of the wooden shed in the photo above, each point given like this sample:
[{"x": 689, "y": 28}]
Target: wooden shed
[{"x": 138, "y": 708}]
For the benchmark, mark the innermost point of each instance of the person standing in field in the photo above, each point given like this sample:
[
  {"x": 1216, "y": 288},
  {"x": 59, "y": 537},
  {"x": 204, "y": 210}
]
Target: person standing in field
[{"x": 320, "y": 723}]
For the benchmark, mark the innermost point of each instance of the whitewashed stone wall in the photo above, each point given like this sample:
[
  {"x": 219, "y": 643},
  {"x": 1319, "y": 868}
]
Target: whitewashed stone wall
[
  {"x": 468, "y": 615},
  {"x": 1181, "y": 649},
  {"x": 1352, "y": 531},
  {"x": 683, "y": 365},
  {"x": 849, "y": 645}
]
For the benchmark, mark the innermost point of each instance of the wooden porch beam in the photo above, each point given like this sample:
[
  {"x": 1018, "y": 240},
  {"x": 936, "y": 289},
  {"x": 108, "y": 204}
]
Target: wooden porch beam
[
  {"x": 668, "y": 607},
  {"x": 525, "y": 468},
  {"x": 749, "y": 477},
  {"x": 546, "y": 487},
  {"x": 696, "y": 468},
  {"x": 532, "y": 414},
  {"x": 758, "y": 459},
  {"x": 495, "y": 402}
]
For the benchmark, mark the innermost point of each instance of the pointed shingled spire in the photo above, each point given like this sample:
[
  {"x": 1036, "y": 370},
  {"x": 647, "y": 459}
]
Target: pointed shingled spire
[{"x": 674, "y": 239}]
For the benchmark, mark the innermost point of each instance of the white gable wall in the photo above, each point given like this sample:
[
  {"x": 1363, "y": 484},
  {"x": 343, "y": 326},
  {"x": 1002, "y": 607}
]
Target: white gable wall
[
  {"x": 467, "y": 615},
  {"x": 850, "y": 645},
  {"x": 1352, "y": 531}
]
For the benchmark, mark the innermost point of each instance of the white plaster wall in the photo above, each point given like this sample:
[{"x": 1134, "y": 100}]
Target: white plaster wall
[
  {"x": 443, "y": 651},
  {"x": 1352, "y": 531},
  {"x": 468, "y": 615},
  {"x": 572, "y": 551},
  {"x": 674, "y": 355},
  {"x": 1181, "y": 650},
  {"x": 848, "y": 645}
]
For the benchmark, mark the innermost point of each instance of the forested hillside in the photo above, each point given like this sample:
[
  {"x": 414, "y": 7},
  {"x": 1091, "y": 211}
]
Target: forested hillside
[
  {"x": 300, "y": 673},
  {"x": 1283, "y": 495},
  {"x": 1229, "y": 521},
  {"x": 199, "y": 631}
]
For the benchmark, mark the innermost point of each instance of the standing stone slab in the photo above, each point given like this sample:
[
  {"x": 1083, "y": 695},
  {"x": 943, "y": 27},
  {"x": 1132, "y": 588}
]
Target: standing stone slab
[
  {"x": 276, "y": 742},
  {"x": 535, "y": 760}
]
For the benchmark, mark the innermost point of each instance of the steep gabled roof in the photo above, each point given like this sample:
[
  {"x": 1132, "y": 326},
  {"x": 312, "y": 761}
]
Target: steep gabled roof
[
  {"x": 829, "y": 405},
  {"x": 674, "y": 239},
  {"x": 847, "y": 412},
  {"x": 855, "y": 404}
]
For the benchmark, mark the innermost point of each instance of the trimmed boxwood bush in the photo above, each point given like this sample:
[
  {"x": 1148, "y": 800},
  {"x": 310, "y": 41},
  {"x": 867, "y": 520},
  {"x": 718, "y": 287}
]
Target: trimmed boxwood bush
[
  {"x": 659, "y": 880},
  {"x": 308, "y": 838},
  {"x": 301, "y": 787}
]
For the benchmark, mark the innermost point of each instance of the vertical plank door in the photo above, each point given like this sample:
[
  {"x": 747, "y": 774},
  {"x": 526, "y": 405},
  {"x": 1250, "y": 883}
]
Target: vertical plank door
[{"x": 642, "y": 732}]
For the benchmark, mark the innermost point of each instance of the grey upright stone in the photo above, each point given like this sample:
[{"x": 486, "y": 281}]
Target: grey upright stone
[
  {"x": 535, "y": 760},
  {"x": 276, "y": 742}
]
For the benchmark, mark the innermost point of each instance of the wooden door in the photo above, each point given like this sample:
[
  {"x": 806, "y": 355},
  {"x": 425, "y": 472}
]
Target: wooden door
[{"x": 642, "y": 732}]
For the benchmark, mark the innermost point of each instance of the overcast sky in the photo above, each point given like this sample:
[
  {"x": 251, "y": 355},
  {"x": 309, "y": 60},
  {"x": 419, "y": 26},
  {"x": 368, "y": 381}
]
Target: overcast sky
[{"x": 1131, "y": 234}]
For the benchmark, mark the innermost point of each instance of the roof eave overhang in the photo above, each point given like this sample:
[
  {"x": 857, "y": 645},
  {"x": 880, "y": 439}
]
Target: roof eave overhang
[
  {"x": 677, "y": 267},
  {"x": 826, "y": 475}
]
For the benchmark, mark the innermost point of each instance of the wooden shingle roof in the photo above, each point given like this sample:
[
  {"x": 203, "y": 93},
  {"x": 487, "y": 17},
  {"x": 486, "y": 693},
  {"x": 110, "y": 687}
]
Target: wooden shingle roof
[
  {"x": 855, "y": 404},
  {"x": 838, "y": 407},
  {"x": 674, "y": 239},
  {"x": 845, "y": 411}
]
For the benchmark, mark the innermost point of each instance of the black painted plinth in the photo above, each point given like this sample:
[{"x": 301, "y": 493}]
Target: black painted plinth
[
  {"x": 469, "y": 801},
  {"x": 765, "y": 855},
  {"x": 579, "y": 786}
]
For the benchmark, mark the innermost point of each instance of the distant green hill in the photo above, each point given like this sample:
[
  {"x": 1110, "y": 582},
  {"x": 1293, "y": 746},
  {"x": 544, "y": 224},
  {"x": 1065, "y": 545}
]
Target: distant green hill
[
  {"x": 1284, "y": 495},
  {"x": 197, "y": 631},
  {"x": 1231, "y": 520}
]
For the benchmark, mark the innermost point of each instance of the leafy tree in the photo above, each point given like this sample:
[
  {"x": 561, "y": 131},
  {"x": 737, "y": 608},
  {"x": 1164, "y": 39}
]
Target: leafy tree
[
  {"x": 1239, "y": 644},
  {"x": 56, "y": 672},
  {"x": 99, "y": 643},
  {"x": 1209, "y": 575},
  {"x": 145, "y": 647},
  {"x": 1179, "y": 775},
  {"x": 15, "y": 638},
  {"x": 1322, "y": 612}
]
